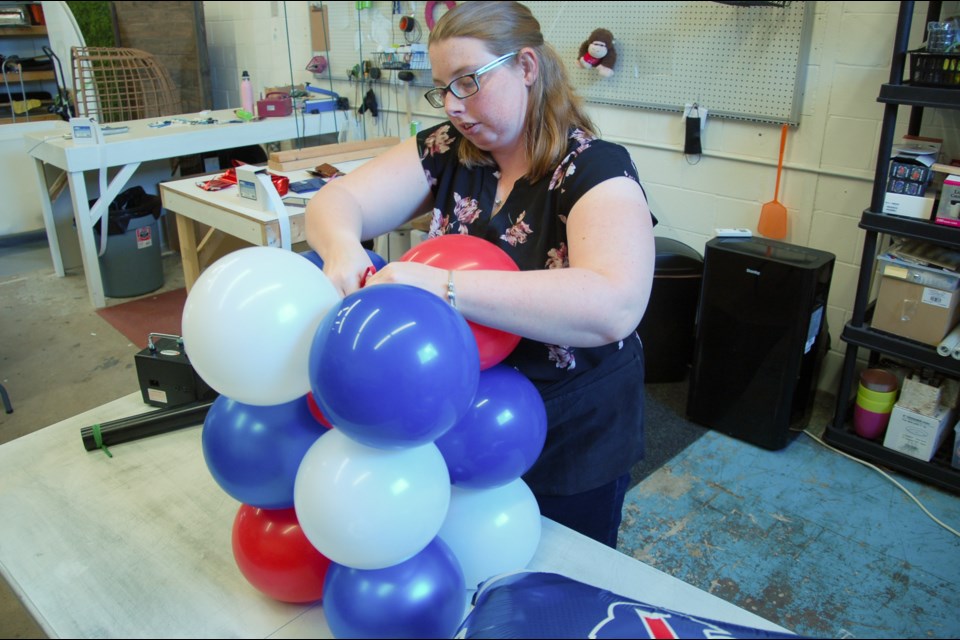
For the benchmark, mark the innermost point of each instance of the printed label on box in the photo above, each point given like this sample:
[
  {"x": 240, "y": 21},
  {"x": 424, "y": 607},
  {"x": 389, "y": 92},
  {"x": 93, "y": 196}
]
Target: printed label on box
[
  {"x": 937, "y": 297},
  {"x": 949, "y": 209},
  {"x": 247, "y": 189}
]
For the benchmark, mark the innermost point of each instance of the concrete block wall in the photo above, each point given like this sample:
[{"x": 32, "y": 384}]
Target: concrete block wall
[{"x": 829, "y": 160}]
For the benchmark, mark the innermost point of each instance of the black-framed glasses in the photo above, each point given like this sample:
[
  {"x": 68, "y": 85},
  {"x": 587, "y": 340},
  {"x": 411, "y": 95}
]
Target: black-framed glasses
[{"x": 464, "y": 86}]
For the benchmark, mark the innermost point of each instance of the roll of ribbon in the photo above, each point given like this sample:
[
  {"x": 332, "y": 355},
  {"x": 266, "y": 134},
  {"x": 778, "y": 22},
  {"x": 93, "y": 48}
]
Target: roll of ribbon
[{"x": 950, "y": 344}]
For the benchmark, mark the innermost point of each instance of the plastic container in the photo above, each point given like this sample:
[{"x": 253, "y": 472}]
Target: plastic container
[
  {"x": 870, "y": 424},
  {"x": 941, "y": 36},
  {"x": 877, "y": 406},
  {"x": 880, "y": 380},
  {"x": 935, "y": 69},
  {"x": 132, "y": 265},
  {"x": 246, "y": 92},
  {"x": 667, "y": 329},
  {"x": 876, "y": 396},
  {"x": 887, "y": 397}
]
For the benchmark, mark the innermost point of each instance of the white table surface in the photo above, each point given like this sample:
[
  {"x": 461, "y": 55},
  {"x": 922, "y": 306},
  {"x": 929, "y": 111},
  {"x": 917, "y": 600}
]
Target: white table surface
[
  {"x": 226, "y": 211},
  {"x": 139, "y": 545},
  {"x": 128, "y": 150}
]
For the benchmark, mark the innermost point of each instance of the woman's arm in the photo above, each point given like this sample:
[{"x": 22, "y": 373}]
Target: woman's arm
[
  {"x": 599, "y": 299},
  {"x": 371, "y": 200}
]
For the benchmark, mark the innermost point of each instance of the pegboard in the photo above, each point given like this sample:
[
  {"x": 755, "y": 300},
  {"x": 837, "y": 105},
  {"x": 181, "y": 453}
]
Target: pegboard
[
  {"x": 742, "y": 62},
  {"x": 370, "y": 33},
  {"x": 737, "y": 61}
]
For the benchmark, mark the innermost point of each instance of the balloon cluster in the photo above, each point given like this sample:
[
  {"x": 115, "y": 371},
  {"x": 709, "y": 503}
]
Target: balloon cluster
[{"x": 377, "y": 461}]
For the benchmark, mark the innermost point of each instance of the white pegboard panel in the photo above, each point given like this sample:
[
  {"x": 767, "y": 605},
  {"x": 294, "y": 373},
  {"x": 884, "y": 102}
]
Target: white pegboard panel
[
  {"x": 371, "y": 33},
  {"x": 743, "y": 62},
  {"x": 737, "y": 61}
]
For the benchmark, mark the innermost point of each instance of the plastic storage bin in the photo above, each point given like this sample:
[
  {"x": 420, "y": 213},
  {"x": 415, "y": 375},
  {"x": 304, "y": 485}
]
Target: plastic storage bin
[
  {"x": 668, "y": 326},
  {"x": 132, "y": 265}
]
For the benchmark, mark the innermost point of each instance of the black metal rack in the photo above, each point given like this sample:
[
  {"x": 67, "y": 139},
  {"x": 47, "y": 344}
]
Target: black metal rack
[{"x": 858, "y": 334}]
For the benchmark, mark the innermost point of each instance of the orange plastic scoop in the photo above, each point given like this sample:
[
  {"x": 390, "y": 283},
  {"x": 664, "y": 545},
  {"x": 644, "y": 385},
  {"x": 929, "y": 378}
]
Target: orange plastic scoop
[{"x": 773, "y": 215}]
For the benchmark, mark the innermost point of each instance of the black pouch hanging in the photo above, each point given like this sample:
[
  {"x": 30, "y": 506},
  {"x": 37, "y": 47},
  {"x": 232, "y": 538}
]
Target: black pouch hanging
[{"x": 691, "y": 144}]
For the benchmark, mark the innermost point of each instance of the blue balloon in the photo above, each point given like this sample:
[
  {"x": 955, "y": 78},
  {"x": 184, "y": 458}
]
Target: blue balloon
[
  {"x": 375, "y": 258},
  {"x": 393, "y": 366},
  {"x": 423, "y": 597},
  {"x": 254, "y": 451},
  {"x": 502, "y": 434}
]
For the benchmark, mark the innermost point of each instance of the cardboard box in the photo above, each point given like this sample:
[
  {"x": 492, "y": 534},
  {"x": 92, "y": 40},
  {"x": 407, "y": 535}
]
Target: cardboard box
[
  {"x": 921, "y": 397},
  {"x": 917, "y": 435},
  {"x": 948, "y": 211},
  {"x": 909, "y": 177},
  {"x": 900, "y": 204},
  {"x": 916, "y": 302}
]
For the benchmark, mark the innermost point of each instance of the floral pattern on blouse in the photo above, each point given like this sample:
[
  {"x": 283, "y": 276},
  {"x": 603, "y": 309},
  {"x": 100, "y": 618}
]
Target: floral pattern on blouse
[
  {"x": 517, "y": 234},
  {"x": 530, "y": 226}
]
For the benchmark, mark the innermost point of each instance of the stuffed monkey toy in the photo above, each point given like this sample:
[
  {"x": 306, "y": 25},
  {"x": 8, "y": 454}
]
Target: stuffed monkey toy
[{"x": 597, "y": 52}]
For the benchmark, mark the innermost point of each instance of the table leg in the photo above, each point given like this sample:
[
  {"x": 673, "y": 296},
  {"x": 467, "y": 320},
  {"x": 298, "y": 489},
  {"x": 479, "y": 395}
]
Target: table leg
[
  {"x": 88, "y": 244},
  {"x": 187, "y": 233},
  {"x": 48, "y": 220}
]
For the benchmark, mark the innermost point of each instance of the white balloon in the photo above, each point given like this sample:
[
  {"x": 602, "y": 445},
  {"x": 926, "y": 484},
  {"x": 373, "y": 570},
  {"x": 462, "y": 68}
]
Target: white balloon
[
  {"x": 368, "y": 508},
  {"x": 492, "y": 531},
  {"x": 249, "y": 321}
]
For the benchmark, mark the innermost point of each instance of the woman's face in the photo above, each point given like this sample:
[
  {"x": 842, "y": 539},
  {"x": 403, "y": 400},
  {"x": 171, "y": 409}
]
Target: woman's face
[{"x": 492, "y": 118}]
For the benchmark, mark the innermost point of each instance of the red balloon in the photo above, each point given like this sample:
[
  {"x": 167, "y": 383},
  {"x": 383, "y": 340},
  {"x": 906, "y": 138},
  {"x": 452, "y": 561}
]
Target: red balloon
[
  {"x": 316, "y": 412},
  {"x": 457, "y": 252},
  {"x": 274, "y": 555}
]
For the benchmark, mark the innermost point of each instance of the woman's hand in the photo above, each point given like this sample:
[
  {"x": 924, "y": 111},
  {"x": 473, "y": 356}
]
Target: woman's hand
[
  {"x": 415, "y": 274},
  {"x": 347, "y": 268}
]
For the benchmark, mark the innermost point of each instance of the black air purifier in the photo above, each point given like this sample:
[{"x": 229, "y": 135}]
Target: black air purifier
[{"x": 761, "y": 334}]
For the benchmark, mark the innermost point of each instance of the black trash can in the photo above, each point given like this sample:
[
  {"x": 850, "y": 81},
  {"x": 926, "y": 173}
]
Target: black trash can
[
  {"x": 668, "y": 327},
  {"x": 132, "y": 265}
]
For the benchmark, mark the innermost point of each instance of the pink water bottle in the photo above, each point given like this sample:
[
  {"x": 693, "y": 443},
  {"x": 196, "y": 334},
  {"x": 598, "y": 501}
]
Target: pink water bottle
[{"x": 246, "y": 92}]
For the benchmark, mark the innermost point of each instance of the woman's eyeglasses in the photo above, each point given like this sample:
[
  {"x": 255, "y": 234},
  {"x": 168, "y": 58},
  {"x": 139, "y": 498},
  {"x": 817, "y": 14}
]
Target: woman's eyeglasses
[{"x": 464, "y": 86}]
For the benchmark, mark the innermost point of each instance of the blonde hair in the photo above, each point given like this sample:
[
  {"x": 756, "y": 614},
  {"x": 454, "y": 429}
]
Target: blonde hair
[{"x": 554, "y": 107}]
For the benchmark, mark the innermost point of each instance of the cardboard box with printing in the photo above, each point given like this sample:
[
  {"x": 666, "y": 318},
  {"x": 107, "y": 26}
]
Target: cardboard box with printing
[
  {"x": 915, "y": 434},
  {"x": 916, "y": 302},
  {"x": 948, "y": 212}
]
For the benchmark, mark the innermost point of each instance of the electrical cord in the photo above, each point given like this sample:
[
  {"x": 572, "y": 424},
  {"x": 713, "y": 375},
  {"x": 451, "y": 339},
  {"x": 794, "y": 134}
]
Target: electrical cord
[
  {"x": 45, "y": 139},
  {"x": 888, "y": 477}
]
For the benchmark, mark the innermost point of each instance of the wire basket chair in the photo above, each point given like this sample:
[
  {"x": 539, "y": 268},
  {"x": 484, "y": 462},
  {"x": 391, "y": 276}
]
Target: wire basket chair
[{"x": 113, "y": 84}]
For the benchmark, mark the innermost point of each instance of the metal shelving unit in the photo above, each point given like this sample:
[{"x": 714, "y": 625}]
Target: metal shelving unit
[
  {"x": 24, "y": 40},
  {"x": 858, "y": 334}
]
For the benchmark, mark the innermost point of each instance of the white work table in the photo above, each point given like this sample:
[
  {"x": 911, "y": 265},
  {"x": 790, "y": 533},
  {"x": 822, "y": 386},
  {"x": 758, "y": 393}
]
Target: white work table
[
  {"x": 139, "y": 545},
  {"x": 141, "y": 143},
  {"x": 224, "y": 212}
]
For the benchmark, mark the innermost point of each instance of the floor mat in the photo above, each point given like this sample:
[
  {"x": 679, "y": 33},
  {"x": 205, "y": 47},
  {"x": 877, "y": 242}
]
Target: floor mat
[
  {"x": 138, "y": 318},
  {"x": 803, "y": 536}
]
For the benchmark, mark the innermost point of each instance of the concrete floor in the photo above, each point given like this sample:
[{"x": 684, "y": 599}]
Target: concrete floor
[{"x": 58, "y": 358}]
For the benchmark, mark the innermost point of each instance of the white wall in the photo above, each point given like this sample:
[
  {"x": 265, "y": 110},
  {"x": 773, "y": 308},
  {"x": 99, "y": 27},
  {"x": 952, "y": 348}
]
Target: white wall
[{"x": 829, "y": 160}]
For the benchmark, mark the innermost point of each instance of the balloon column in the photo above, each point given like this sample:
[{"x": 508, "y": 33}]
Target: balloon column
[
  {"x": 247, "y": 325},
  {"x": 401, "y": 457}
]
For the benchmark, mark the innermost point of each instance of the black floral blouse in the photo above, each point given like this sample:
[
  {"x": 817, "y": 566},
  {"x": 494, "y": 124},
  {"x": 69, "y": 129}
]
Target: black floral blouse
[{"x": 531, "y": 226}]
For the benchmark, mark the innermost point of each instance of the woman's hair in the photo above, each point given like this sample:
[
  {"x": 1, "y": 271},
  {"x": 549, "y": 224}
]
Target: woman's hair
[{"x": 554, "y": 106}]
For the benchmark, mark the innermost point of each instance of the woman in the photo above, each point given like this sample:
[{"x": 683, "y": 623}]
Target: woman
[{"x": 518, "y": 164}]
